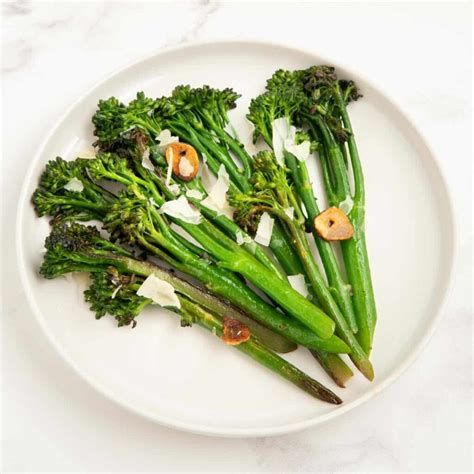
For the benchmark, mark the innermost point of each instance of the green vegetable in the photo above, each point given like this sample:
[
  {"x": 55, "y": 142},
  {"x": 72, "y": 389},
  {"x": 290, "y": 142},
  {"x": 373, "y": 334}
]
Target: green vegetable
[
  {"x": 115, "y": 293},
  {"x": 269, "y": 359},
  {"x": 132, "y": 216},
  {"x": 273, "y": 194},
  {"x": 127, "y": 188},
  {"x": 134, "y": 220},
  {"x": 330, "y": 97},
  {"x": 198, "y": 116},
  {"x": 334, "y": 366},
  {"x": 319, "y": 102},
  {"x": 283, "y": 101},
  {"x": 191, "y": 113}
]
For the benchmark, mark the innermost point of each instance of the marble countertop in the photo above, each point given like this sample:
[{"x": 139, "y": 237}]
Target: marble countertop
[{"x": 419, "y": 53}]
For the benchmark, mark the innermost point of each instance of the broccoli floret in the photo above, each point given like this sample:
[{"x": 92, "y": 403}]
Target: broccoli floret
[
  {"x": 271, "y": 192},
  {"x": 116, "y": 125},
  {"x": 53, "y": 199},
  {"x": 267, "y": 107},
  {"x": 78, "y": 248},
  {"x": 115, "y": 294}
]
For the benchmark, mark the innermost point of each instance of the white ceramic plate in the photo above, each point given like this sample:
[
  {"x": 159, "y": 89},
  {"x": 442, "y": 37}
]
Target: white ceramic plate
[{"x": 187, "y": 379}]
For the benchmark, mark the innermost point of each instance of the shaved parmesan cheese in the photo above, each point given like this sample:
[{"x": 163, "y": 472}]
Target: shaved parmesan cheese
[
  {"x": 290, "y": 212},
  {"x": 181, "y": 209},
  {"x": 185, "y": 167},
  {"x": 264, "y": 230},
  {"x": 159, "y": 291},
  {"x": 146, "y": 162},
  {"x": 242, "y": 239},
  {"x": 219, "y": 190},
  {"x": 174, "y": 188},
  {"x": 170, "y": 168},
  {"x": 298, "y": 283},
  {"x": 216, "y": 199},
  {"x": 301, "y": 151},
  {"x": 114, "y": 294},
  {"x": 283, "y": 135},
  {"x": 164, "y": 139},
  {"x": 75, "y": 185},
  {"x": 194, "y": 193},
  {"x": 346, "y": 205},
  {"x": 283, "y": 138},
  {"x": 208, "y": 179}
]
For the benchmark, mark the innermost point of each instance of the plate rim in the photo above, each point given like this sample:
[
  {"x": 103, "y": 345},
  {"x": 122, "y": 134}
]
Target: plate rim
[{"x": 199, "y": 428}]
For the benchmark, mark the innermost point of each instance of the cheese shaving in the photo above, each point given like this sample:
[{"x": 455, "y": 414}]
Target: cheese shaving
[
  {"x": 298, "y": 283},
  {"x": 159, "y": 291},
  {"x": 346, "y": 205},
  {"x": 194, "y": 193},
  {"x": 301, "y": 151},
  {"x": 241, "y": 239},
  {"x": 208, "y": 179},
  {"x": 264, "y": 230},
  {"x": 216, "y": 199},
  {"x": 181, "y": 209},
  {"x": 164, "y": 139},
  {"x": 146, "y": 162},
  {"x": 174, "y": 188},
  {"x": 75, "y": 185},
  {"x": 283, "y": 136}
]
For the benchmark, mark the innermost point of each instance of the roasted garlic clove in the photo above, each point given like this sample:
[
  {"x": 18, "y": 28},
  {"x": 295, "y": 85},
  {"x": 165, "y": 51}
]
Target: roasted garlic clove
[
  {"x": 333, "y": 224},
  {"x": 235, "y": 332},
  {"x": 185, "y": 160}
]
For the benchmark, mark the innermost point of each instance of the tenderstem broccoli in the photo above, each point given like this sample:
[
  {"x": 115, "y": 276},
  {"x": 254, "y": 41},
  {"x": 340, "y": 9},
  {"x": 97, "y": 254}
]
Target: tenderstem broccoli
[
  {"x": 133, "y": 219},
  {"x": 273, "y": 194},
  {"x": 320, "y": 101},
  {"x": 114, "y": 291},
  {"x": 198, "y": 116},
  {"x": 191, "y": 114}
]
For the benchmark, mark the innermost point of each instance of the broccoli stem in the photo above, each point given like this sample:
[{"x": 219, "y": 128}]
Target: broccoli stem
[
  {"x": 215, "y": 278},
  {"x": 282, "y": 248},
  {"x": 337, "y": 369},
  {"x": 354, "y": 250},
  {"x": 241, "y": 296},
  {"x": 280, "y": 243},
  {"x": 237, "y": 148},
  {"x": 201, "y": 140},
  {"x": 339, "y": 289},
  {"x": 332, "y": 364},
  {"x": 285, "y": 254},
  {"x": 212, "y": 303},
  {"x": 226, "y": 139},
  {"x": 233, "y": 257},
  {"x": 358, "y": 356},
  {"x": 263, "y": 355},
  {"x": 232, "y": 230}
]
